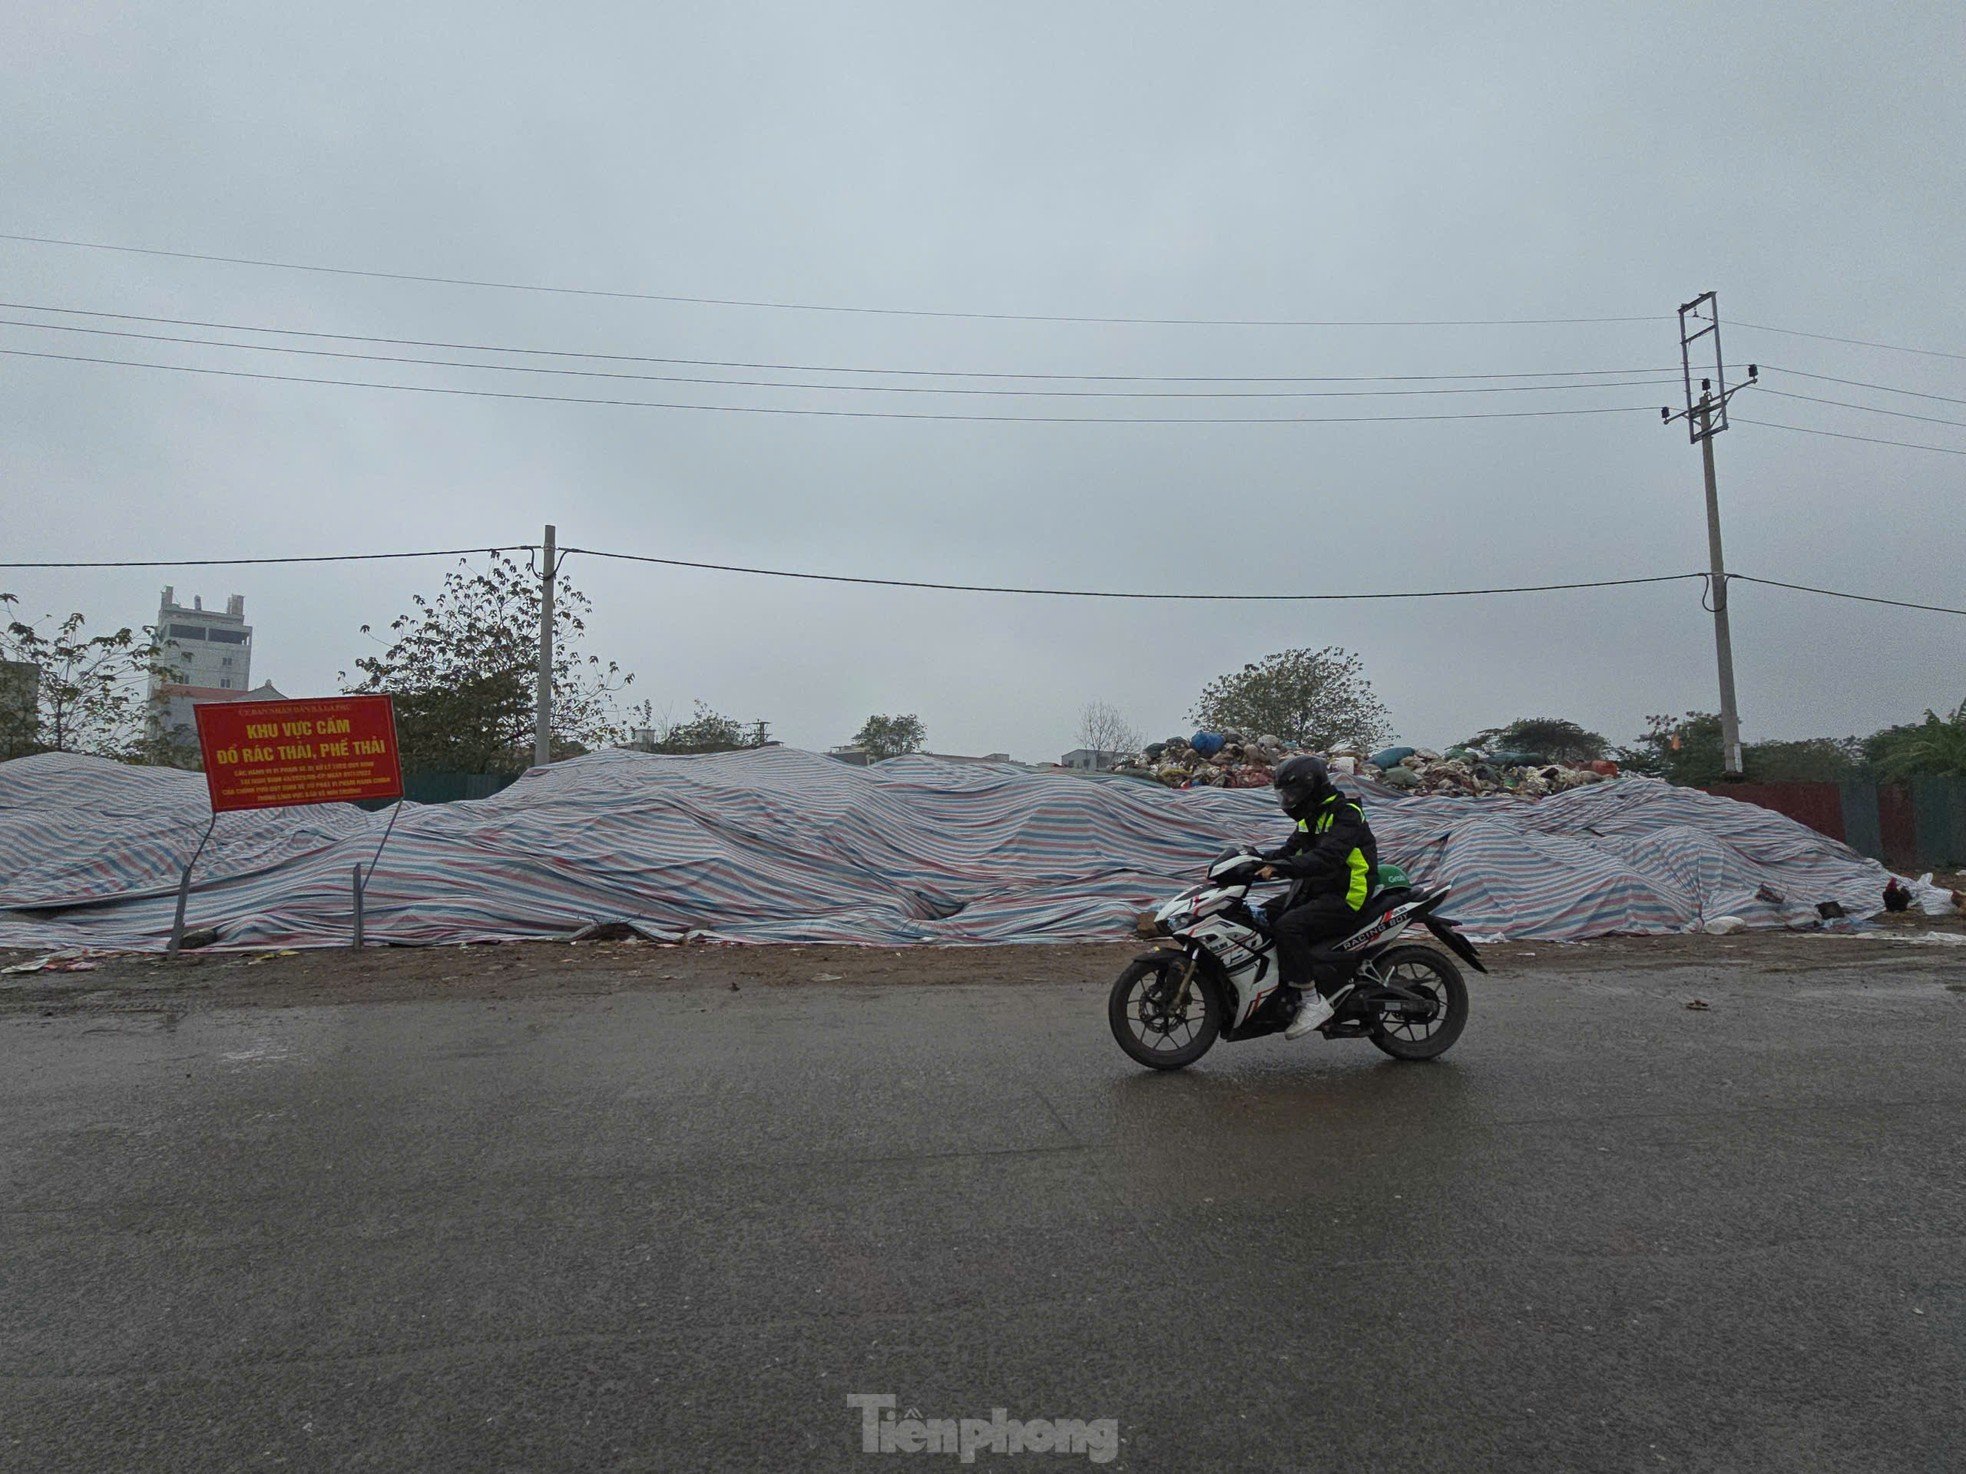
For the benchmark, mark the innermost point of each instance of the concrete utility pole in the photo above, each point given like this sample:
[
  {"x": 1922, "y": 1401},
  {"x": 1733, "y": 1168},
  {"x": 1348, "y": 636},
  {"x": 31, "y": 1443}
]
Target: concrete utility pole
[
  {"x": 542, "y": 729},
  {"x": 1705, "y": 418},
  {"x": 1723, "y": 634}
]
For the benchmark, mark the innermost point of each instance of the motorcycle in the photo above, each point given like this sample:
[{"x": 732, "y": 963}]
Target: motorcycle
[{"x": 1215, "y": 976}]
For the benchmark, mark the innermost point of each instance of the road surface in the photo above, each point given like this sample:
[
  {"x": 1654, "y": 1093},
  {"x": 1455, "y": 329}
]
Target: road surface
[{"x": 635, "y": 1209}]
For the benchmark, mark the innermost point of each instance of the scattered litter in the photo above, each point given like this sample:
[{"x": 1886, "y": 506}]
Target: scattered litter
[
  {"x": 1722, "y": 926},
  {"x": 1916, "y": 939},
  {"x": 1699, "y": 1005},
  {"x": 269, "y": 956},
  {"x": 606, "y": 931},
  {"x": 827, "y": 977},
  {"x": 1896, "y": 896},
  {"x": 1830, "y": 910},
  {"x": 1933, "y": 900},
  {"x": 78, "y": 961}
]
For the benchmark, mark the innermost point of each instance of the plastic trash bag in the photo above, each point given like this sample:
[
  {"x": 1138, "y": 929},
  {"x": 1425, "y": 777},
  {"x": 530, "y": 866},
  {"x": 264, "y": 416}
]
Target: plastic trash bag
[{"x": 1933, "y": 900}]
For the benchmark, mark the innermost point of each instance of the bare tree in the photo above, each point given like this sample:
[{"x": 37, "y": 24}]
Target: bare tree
[{"x": 1103, "y": 729}]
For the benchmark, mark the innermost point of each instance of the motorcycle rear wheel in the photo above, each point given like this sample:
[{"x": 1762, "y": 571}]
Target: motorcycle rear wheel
[
  {"x": 1137, "y": 1011},
  {"x": 1432, "y": 973}
]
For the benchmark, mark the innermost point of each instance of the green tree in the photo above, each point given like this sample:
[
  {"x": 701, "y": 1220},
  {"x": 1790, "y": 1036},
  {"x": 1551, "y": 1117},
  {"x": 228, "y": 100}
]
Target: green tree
[
  {"x": 462, "y": 669},
  {"x": 1309, "y": 698},
  {"x": 1687, "y": 750},
  {"x": 885, "y": 737},
  {"x": 1935, "y": 746},
  {"x": 1811, "y": 760},
  {"x": 705, "y": 731},
  {"x": 1684, "y": 750},
  {"x": 66, "y": 690},
  {"x": 1553, "y": 739}
]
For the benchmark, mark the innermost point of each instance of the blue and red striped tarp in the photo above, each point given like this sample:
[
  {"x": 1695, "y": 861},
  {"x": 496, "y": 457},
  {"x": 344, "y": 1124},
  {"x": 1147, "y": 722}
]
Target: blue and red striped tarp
[{"x": 778, "y": 845}]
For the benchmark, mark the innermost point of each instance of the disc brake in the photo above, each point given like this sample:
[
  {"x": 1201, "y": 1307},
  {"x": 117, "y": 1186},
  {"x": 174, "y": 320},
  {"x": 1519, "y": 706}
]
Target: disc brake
[{"x": 1162, "y": 1013}]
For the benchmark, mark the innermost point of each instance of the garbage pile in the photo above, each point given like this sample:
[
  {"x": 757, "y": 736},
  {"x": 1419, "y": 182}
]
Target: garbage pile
[
  {"x": 1232, "y": 759},
  {"x": 912, "y": 850}
]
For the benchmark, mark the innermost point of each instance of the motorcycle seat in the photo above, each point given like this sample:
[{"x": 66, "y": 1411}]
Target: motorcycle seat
[{"x": 1380, "y": 902}]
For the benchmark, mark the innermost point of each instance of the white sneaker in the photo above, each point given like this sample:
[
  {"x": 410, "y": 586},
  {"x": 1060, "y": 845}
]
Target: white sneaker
[{"x": 1314, "y": 1012}]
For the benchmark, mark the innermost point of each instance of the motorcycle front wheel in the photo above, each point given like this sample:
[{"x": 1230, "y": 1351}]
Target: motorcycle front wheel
[
  {"x": 1427, "y": 1029},
  {"x": 1151, "y": 1021}
]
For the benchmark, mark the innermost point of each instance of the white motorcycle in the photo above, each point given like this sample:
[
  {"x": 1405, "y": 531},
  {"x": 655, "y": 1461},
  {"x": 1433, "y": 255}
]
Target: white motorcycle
[{"x": 1215, "y": 975}]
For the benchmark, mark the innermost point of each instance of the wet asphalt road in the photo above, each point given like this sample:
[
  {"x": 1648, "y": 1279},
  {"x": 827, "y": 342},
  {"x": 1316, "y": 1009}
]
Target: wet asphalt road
[{"x": 676, "y": 1229}]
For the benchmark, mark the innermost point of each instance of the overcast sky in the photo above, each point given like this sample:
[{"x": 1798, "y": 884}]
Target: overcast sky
[{"x": 1122, "y": 160}]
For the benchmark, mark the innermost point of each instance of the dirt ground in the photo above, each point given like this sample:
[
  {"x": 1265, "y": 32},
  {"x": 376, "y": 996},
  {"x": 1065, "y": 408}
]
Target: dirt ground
[{"x": 547, "y": 969}]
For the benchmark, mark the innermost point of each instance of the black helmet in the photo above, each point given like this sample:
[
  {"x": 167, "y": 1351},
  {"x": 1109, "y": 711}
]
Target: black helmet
[{"x": 1302, "y": 783}]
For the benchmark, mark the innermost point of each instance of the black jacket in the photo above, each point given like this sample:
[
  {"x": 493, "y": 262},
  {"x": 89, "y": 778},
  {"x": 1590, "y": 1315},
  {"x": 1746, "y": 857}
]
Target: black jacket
[{"x": 1332, "y": 852}]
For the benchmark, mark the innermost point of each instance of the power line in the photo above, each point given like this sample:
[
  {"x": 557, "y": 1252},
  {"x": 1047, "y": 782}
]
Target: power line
[
  {"x": 1866, "y": 408},
  {"x": 821, "y": 368},
  {"x": 1804, "y": 588},
  {"x": 893, "y": 583},
  {"x": 1862, "y": 384},
  {"x": 860, "y": 414},
  {"x": 301, "y": 558},
  {"x": 508, "y": 286},
  {"x": 1762, "y": 327},
  {"x": 964, "y": 588},
  {"x": 515, "y": 368},
  {"x": 1841, "y": 435}
]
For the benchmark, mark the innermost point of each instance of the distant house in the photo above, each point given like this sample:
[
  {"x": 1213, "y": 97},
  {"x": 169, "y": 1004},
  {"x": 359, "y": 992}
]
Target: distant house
[
  {"x": 170, "y": 711},
  {"x": 1091, "y": 760},
  {"x": 859, "y": 757}
]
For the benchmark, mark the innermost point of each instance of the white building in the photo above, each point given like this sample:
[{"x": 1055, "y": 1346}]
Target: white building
[
  {"x": 203, "y": 647},
  {"x": 208, "y": 656},
  {"x": 1087, "y": 760}
]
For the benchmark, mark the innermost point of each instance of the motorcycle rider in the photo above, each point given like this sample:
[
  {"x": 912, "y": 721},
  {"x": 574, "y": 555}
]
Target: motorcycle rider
[{"x": 1331, "y": 858}]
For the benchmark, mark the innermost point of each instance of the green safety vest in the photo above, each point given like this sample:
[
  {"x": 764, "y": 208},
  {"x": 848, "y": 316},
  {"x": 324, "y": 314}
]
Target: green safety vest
[{"x": 1358, "y": 867}]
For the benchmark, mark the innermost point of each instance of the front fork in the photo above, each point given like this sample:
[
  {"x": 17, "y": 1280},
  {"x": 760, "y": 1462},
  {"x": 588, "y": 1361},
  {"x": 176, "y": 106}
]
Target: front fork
[{"x": 1179, "y": 1004}]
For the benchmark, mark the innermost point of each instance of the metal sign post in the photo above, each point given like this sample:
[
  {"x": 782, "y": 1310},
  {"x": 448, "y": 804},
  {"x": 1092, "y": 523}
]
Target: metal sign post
[
  {"x": 276, "y": 754},
  {"x": 362, "y": 881},
  {"x": 184, "y": 890}
]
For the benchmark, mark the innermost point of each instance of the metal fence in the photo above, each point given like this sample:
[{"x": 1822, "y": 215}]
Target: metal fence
[
  {"x": 448, "y": 788},
  {"x": 1916, "y": 824}
]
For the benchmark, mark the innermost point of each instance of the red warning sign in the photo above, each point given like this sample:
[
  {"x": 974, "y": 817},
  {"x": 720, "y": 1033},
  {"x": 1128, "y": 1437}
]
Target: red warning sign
[{"x": 264, "y": 754}]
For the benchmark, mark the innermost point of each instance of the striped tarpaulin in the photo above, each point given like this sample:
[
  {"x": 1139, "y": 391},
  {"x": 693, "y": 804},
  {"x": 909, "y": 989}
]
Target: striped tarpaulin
[{"x": 779, "y": 845}]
